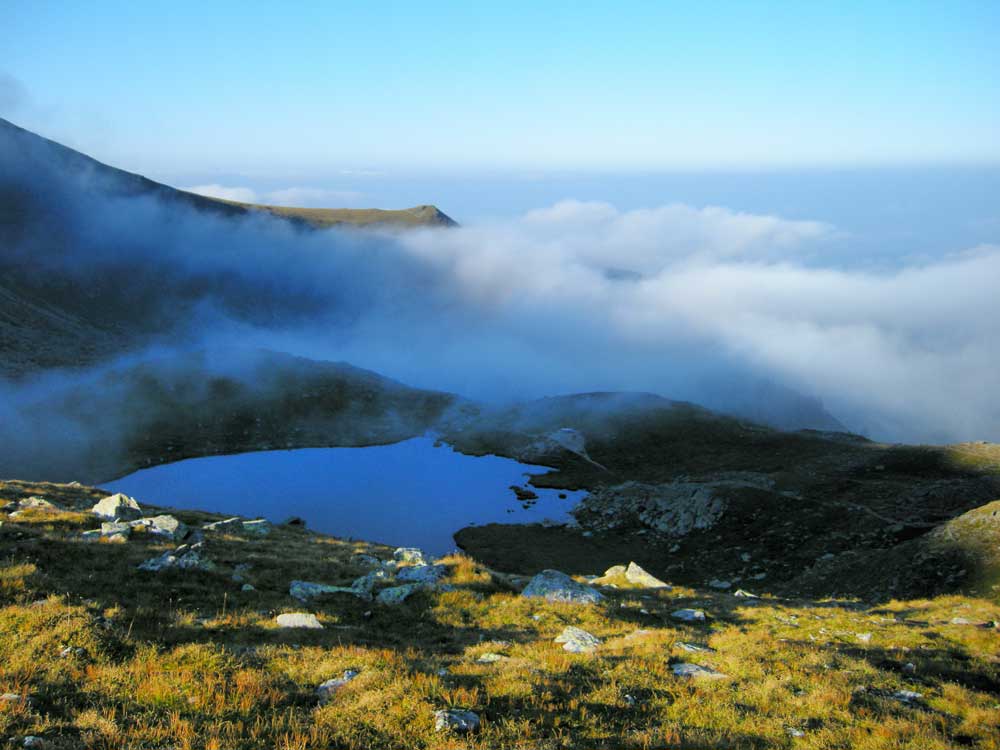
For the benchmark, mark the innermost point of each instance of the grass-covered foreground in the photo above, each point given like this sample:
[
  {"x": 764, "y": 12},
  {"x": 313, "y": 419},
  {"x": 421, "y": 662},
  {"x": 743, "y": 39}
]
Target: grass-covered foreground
[{"x": 96, "y": 653}]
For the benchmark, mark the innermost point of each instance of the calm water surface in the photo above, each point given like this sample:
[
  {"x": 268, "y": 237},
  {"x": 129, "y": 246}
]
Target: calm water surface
[{"x": 405, "y": 494}]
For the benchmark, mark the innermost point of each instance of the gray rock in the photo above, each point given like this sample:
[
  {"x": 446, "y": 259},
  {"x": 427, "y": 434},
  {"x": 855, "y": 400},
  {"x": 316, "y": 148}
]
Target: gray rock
[
  {"x": 115, "y": 531},
  {"x": 577, "y": 641},
  {"x": 185, "y": 557},
  {"x": 299, "y": 620},
  {"x": 397, "y": 594},
  {"x": 257, "y": 527},
  {"x": 165, "y": 526},
  {"x": 554, "y": 586},
  {"x": 410, "y": 555},
  {"x": 744, "y": 594},
  {"x": 688, "y": 615},
  {"x": 684, "y": 669},
  {"x": 366, "y": 561},
  {"x": 228, "y": 526},
  {"x": 117, "y": 507},
  {"x": 421, "y": 573},
  {"x": 306, "y": 591},
  {"x": 247, "y": 587},
  {"x": 715, "y": 583},
  {"x": 456, "y": 720},
  {"x": 328, "y": 689},
  {"x": 93, "y": 535},
  {"x": 695, "y": 648},
  {"x": 34, "y": 742},
  {"x": 490, "y": 658},
  {"x": 638, "y": 576}
]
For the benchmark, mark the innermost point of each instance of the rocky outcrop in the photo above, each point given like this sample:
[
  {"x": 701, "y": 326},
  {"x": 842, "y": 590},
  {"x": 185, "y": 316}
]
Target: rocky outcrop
[
  {"x": 298, "y": 620},
  {"x": 554, "y": 586},
  {"x": 456, "y": 720},
  {"x": 185, "y": 557},
  {"x": 672, "y": 509},
  {"x": 577, "y": 641}
]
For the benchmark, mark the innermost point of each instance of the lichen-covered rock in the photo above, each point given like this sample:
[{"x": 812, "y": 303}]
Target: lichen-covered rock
[
  {"x": 115, "y": 531},
  {"x": 429, "y": 574},
  {"x": 577, "y": 641},
  {"x": 397, "y": 594},
  {"x": 299, "y": 620},
  {"x": 456, "y": 720},
  {"x": 257, "y": 527},
  {"x": 326, "y": 690},
  {"x": 39, "y": 503},
  {"x": 410, "y": 555},
  {"x": 688, "y": 615},
  {"x": 117, "y": 507},
  {"x": 636, "y": 575},
  {"x": 684, "y": 669},
  {"x": 185, "y": 557},
  {"x": 554, "y": 586},
  {"x": 163, "y": 525}
]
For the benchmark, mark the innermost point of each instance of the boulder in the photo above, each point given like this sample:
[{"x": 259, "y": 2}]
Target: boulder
[
  {"x": 306, "y": 591},
  {"x": 490, "y": 658},
  {"x": 397, "y": 594},
  {"x": 115, "y": 531},
  {"x": 688, "y": 615},
  {"x": 185, "y": 557},
  {"x": 554, "y": 586},
  {"x": 456, "y": 720},
  {"x": 638, "y": 576},
  {"x": 117, "y": 507},
  {"x": 429, "y": 574},
  {"x": 257, "y": 527},
  {"x": 163, "y": 525},
  {"x": 695, "y": 648},
  {"x": 577, "y": 641},
  {"x": 684, "y": 669},
  {"x": 328, "y": 689},
  {"x": 410, "y": 555},
  {"x": 299, "y": 620}
]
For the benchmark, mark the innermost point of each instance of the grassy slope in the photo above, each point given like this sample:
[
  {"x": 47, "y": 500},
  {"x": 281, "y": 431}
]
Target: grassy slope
[
  {"x": 321, "y": 218},
  {"x": 188, "y": 660}
]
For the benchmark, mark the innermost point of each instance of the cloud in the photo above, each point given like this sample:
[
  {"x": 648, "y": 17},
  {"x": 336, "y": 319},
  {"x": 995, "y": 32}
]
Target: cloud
[
  {"x": 238, "y": 194},
  {"x": 299, "y": 197},
  {"x": 13, "y": 94},
  {"x": 701, "y": 303}
]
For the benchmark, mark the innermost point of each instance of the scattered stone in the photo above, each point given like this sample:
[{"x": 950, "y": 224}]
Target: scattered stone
[
  {"x": 577, "y": 641},
  {"x": 240, "y": 572},
  {"x": 257, "y": 527},
  {"x": 554, "y": 586},
  {"x": 299, "y": 620},
  {"x": 228, "y": 526},
  {"x": 366, "y": 561},
  {"x": 793, "y": 732},
  {"x": 962, "y": 621},
  {"x": 92, "y": 535},
  {"x": 185, "y": 557},
  {"x": 744, "y": 594},
  {"x": 695, "y": 648},
  {"x": 34, "y": 742},
  {"x": 689, "y": 615},
  {"x": 490, "y": 658},
  {"x": 165, "y": 526},
  {"x": 117, "y": 507},
  {"x": 456, "y": 720},
  {"x": 685, "y": 669},
  {"x": 328, "y": 689},
  {"x": 638, "y": 576},
  {"x": 907, "y": 696},
  {"x": 715, "y": 583},
  {"x": 247, "y": 587},
  {"x": 410, "y": 555},
  {"x": 397, "y": 594},
  {"x": 305, "y": 591},
  {"x": 863, "y": 637},
  {"x": 116, "y": 531},
  {"x": 429, "y": 574},
  {"x": 14, "y": 698},
  {"x": 71, "y": 651}
]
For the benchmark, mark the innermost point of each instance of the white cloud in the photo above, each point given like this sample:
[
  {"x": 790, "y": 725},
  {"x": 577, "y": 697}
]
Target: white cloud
[{"x": 239, "y": 194}]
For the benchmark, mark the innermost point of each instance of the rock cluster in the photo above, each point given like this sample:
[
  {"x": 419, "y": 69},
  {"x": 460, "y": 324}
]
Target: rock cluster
[
  {"x": 554, "y": 586},
  {"x": 673, "y": 509}
]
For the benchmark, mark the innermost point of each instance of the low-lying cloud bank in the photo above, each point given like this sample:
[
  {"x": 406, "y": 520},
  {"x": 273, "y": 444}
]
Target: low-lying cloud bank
[{"x": 697, "y": 303}]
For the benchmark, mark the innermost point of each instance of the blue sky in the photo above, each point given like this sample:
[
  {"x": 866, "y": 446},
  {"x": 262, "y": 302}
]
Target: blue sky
[{"x": 319, "y": 89}]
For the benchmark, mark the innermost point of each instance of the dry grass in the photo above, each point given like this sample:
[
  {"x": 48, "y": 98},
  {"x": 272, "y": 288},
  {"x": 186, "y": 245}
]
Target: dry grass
[{"x": 187, "y": 660}]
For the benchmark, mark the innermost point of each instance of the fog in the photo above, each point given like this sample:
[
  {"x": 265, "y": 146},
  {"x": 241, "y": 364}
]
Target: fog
[{"x": 728, "y": 308}]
